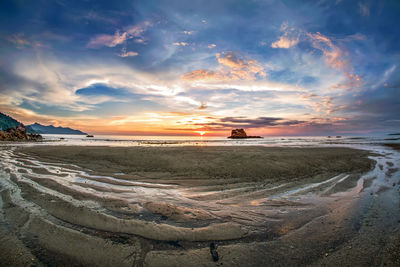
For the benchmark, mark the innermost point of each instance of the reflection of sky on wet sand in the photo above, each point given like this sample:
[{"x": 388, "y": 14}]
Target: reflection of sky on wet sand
[{"x": 250, "y": 204}]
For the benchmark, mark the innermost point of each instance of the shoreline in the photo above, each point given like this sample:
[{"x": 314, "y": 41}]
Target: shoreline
[{"x": 171, "y": 203}]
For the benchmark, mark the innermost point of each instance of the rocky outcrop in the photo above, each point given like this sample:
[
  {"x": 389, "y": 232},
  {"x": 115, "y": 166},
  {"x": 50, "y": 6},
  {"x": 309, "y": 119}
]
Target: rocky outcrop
[
  {"x": 19, "y": 134},
  {"x": 241, "y": 133}
]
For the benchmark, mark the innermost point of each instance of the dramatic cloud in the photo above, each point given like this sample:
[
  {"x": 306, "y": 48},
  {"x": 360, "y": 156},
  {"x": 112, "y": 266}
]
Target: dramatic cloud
[
  {"x": 333, "y": 54},
  {"x": 336, "y": 58},
  {"x": 278, "y": 66},
  {"x": 244, "y": 122}
]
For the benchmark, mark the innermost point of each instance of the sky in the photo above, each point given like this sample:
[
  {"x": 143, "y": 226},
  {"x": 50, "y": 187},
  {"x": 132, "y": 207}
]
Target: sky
[{"x": 175, "y": 67}]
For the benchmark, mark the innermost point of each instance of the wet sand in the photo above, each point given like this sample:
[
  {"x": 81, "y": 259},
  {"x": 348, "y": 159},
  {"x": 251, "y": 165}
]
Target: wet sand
[{"x": 164, "y": 206}]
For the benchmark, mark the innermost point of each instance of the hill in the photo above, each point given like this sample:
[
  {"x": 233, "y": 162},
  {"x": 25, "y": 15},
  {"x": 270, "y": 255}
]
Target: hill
[
  {"x": 50, "y": 129},
  {"x": 7, "y": 122}
]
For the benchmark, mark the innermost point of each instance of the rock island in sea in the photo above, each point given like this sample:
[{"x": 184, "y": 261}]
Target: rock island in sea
[{"x": 241, "y": 134}]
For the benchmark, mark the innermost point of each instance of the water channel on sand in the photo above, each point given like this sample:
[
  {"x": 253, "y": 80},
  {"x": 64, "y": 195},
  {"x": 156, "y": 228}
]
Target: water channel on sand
[{"x": 57, "y": 211}]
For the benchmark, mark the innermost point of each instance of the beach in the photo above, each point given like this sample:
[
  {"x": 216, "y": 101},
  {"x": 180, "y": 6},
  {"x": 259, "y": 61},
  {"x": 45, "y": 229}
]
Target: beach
[{"x": 165, "y": 206}]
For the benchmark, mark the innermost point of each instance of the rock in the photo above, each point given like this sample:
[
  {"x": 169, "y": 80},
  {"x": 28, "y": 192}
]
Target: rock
[
  {"x": 214, "y": 252},
  {"x": 238, "y": 133},
  {"x": 18, "y": 134},
  {"x": 241, "y": 133}
]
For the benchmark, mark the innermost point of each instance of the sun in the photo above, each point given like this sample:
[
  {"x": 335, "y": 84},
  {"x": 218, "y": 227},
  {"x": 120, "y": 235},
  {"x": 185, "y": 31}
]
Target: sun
[{"x": 201, "y": 133}]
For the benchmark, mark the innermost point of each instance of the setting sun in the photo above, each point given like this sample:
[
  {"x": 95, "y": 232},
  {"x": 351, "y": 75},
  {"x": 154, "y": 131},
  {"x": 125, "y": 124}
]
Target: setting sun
[{"x": 201, "y": 133}]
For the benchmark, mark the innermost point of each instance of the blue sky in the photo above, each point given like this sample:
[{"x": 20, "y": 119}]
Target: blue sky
[{"x": 181, "y": 67}]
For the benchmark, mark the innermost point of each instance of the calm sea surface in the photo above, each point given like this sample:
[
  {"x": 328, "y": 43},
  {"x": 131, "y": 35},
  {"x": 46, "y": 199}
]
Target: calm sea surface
[{"x": 113, "y": 140}]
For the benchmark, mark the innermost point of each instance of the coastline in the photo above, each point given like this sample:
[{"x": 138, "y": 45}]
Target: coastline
[{"x": 166, "y": 204}]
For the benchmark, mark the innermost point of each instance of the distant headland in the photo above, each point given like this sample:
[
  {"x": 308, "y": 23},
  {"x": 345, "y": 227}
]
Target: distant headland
[
  {"x": 241, "y": 134},
  {"x": 50, "y": 129},
  {"x": 13, "y": 130}
]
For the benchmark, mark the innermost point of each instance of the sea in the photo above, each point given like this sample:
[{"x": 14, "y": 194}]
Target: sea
[{"x": 291, "y": 141}]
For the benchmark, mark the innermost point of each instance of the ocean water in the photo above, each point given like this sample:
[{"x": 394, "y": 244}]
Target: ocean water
[{"x": 114, "y": 140}]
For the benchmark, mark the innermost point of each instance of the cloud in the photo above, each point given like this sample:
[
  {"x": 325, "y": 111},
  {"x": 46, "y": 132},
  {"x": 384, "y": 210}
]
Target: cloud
[
  {"x": 354, "y": 37},
  {"x": 364, "y": 9},
  {"x": 203, "y": 106},
  {"x": 19, "y": 39},
  {"x": 22, "y": 42},
  {"x": 240, "y": 68},
  {"x": 108, "y": 40},
  {"x": 203, "y": 75},
  {"x": 211, "y": 46},
  {"x": 335, "y": 58},
  {"x": 245, "y": 122},
  {"x": 285, "y": 42},
  {"x": 232, "y": 67},
  {"x": 46, "y": 81},
  {"x": 289, "y": 38},
  {"x": 333, "y": 54},
  {"x": 125, "y": 53},
  {"x": 181, "y": 44},
  {"x": 189, "y": 32},
  {"x": 119, "y": 37}
]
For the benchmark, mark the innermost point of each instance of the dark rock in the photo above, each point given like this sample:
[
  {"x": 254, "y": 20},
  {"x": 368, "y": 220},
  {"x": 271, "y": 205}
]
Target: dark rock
[
  {"x": 240, "y": 134},
  {"x": 19, "y": 134},
  {"x": 214, "y": 252}
]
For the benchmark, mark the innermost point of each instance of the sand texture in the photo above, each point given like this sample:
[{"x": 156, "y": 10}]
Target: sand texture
[{"x": 164, "y": 206}]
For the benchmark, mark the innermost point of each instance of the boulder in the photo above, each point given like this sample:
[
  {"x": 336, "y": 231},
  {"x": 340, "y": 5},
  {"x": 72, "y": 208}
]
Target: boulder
[{"x": 18, "y": 134}]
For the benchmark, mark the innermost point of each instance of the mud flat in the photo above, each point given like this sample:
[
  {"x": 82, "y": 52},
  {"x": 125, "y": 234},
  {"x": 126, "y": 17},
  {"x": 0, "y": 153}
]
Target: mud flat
[{"x": 164, "y": 206}]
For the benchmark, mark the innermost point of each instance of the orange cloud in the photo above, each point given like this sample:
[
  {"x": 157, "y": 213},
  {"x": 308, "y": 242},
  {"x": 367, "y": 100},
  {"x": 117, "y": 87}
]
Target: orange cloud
[
  {"x": 289, "y": 38},
  {"x": 232, "y": 67},
  {"x": 108, "y": 40},
  {"x": 335, "y": 58},
  {"x": 285, "y": 42},
  {"x": 203, "y": 75},
  {"x": 333, "y": 54},
  {"x": 118, "y": 37},
  {"x": 181, "y": 44}
]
